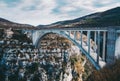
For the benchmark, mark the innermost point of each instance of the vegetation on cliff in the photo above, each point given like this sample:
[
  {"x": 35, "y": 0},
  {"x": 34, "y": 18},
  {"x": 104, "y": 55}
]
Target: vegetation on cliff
[{"x": 109, "y": 73}]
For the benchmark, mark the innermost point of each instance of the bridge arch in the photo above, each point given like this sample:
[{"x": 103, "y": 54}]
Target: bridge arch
[
  {"x": 45, "y": 33},
  {"x": 41, "y": 37}
]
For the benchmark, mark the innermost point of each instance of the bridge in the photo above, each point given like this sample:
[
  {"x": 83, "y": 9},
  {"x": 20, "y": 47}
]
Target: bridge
[{"x": 101, "y": 54}]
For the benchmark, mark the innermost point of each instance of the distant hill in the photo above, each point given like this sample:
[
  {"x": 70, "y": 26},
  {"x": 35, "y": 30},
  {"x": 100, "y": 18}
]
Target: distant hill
[
  {"x": 107, "y": 18},
  {"x": 77, "y": 20},
  {"x": 9, "y": 24},
  {"x": 42, "y": 26},
  {"x": 4, "y": 20}
]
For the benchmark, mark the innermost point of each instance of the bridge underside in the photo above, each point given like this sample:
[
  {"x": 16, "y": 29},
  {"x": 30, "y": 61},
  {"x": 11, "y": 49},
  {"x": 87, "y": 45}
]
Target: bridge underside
[{"x": 98, "y": 54}]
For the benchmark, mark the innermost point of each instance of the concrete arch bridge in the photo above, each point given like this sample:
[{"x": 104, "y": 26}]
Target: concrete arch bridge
[{"x": 99, "y": 54}]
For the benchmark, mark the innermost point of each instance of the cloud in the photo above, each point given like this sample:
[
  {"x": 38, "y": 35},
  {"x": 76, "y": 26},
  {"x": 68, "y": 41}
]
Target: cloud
[
  {"x": 2, "y": 5},
  {"x": 37, "y": 12}
]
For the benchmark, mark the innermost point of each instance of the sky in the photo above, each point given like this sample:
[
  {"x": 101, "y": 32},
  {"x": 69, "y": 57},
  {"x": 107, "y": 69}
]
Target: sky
[{"x": 36, "y": 12}]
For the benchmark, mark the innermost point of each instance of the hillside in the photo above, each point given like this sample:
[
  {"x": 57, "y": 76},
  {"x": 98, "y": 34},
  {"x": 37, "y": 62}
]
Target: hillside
[
  {"x": 107, "y": 18},
  {"x": 4, "y": 20},
  {"x": 9, "y": 24},
  {"x": 111, "y": 73}
]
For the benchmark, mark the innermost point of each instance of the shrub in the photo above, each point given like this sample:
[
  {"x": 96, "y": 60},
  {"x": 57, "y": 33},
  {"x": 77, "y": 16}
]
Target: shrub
[{"x": 108, "y": 73}]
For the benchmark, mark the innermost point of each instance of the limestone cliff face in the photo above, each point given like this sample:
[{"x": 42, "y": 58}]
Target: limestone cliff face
[
  {"x": 79, "y": 69},
  {"x": 78, "y": 62},
  {"x": 117, "y": 48}
]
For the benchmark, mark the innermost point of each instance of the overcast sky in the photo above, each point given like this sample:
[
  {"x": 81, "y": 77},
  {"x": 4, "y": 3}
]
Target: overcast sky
[{"x": 37, "y": 12}]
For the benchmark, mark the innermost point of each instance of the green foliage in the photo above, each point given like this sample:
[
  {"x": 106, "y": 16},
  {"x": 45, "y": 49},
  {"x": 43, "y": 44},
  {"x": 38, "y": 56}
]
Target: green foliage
[
  {"x": 33, "y": 68},
  {"x": 90, "y": 20},
  {"x": 18, "y": 35},
  {"x": 75, "y": 58}
]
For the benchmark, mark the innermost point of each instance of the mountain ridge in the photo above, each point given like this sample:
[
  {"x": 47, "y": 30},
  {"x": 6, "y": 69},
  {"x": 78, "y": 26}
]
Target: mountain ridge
[
  {"x": 4, "y": 23},
  {"x": 109, "y": 17}
]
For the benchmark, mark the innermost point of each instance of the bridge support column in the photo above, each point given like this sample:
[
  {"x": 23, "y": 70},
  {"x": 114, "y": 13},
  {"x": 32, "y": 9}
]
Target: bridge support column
[
  {"x": 88, "y": 40},
  {"x": 69, "y": 32},
  {"x": 104, "y": 44},
  {"x": 75, "y": 35},
  {"x": 111, "y": 38},
  {"x": 98, "y": 46},
  {"x": 35, "y": 35},
  {"x": 81, "y": 37},
  {"x": 95, "y": 46}
]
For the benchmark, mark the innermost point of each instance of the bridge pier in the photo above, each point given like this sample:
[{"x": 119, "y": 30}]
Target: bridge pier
[
  {"x": 111, "y": 38},
  {"x": 81, "y": 37},
  {"x": 98, "y": 46},
  {"x": 104, "y": 45},
  {"x": 69, "y": 32},
  {"x": 88, "y": 40},
  {"x": 34, "y": 36},
  {"x": 75, "y": 35},
  {"x": 95, "y": 47}
]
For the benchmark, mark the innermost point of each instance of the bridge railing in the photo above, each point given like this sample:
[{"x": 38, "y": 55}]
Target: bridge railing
[{"x": 86, "y": 48}]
